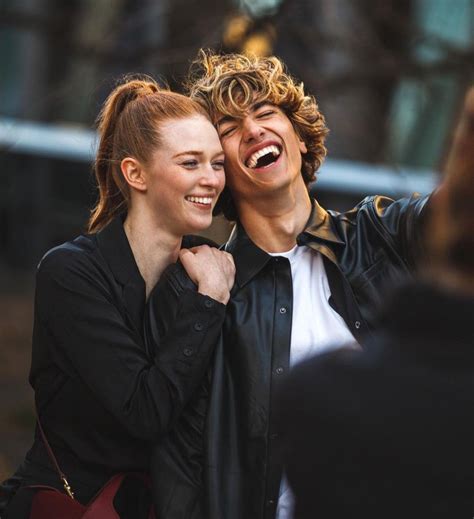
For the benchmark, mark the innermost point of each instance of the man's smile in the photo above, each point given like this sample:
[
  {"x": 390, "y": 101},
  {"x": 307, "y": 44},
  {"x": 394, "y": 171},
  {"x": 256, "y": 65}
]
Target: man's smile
[{"x": 263, "y": 155}]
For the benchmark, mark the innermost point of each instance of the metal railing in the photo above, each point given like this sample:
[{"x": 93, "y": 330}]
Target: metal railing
[{"x": 340, "y": 176}]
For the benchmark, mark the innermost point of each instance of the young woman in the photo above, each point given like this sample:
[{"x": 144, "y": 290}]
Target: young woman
[{"x": 102, "y": 395}]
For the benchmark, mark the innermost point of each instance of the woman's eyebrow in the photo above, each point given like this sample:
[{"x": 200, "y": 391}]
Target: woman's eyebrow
[
  {"x": 190, "y": 152},
  {"x": 196, "y": 153}
]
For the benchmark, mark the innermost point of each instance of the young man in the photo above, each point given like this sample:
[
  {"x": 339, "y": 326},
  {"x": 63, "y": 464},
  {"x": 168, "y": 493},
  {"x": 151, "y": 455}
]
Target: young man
[
  {"x": 409, "y": 399},
  {"x": 305, "y": 278}
]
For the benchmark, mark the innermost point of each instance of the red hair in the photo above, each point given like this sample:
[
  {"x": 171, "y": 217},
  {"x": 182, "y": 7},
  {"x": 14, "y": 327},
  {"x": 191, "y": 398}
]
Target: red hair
[{"x": 128, "y": 126}]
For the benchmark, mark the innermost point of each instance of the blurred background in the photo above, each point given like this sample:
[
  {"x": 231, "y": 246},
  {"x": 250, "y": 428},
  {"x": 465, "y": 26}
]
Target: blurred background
[{"x": 389, "y": 76}]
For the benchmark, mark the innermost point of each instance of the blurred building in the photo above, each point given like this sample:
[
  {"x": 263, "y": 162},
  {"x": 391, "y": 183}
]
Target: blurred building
[{"x": 389, "y": 77}]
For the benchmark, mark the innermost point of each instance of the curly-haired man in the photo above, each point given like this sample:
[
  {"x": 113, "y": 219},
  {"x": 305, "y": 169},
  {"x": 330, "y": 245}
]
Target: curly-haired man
[
  {"x": 409, "y": 398},
  {"x": 306, "y": 278}
]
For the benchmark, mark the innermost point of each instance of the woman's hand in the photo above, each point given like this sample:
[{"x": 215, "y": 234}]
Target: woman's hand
[{"x": 212, "y": 270}]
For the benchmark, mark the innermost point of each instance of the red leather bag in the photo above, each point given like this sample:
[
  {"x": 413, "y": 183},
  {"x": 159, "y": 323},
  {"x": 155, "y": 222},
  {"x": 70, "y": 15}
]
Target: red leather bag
[{"x": 51, "y": 503}]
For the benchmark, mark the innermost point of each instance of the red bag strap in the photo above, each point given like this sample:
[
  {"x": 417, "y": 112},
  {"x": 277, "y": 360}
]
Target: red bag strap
[
  {"x": 53, "y": 459},
  {"x": 102, "y": 504}
]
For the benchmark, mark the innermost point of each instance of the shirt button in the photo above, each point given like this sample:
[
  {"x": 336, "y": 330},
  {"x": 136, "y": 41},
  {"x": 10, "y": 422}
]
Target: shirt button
[
  {"x": 208, "y": 303},
  {"x": 187, "y": 352},
  {"x": 357, "y": 325},
  {"x": 283, "y": 310},
  {"x": 198, "y": 327},
  {"x": 270, "y": 502},
  {"x": 273, "y": 436},
  {"x": 279, "y": 371}
]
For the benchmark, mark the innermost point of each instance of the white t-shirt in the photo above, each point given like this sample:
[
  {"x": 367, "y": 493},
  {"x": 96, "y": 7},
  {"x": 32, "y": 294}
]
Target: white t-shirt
[{"x": 315, "y": 326}]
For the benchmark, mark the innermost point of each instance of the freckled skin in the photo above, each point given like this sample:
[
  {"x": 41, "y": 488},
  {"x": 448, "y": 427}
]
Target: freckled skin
[{"x": 189, "y": 162}]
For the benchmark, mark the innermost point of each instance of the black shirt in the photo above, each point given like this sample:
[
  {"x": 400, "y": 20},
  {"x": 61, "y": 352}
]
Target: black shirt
[{"x": 103, "y": 395}]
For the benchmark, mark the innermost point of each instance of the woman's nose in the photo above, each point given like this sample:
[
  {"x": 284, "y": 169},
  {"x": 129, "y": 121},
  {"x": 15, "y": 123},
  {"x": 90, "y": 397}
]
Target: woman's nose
[{"x": 213, "y": 178}]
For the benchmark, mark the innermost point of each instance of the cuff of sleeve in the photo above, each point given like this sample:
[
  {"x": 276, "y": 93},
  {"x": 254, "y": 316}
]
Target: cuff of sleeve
[
  {"x": 196, "y": 328},
  {"x": 203, "y": 302}
]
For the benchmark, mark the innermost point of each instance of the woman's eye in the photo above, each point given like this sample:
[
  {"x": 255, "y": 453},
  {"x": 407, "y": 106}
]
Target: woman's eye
[
  {"x": 190, "y": 164},
  {"x": 218, "y": 165}
]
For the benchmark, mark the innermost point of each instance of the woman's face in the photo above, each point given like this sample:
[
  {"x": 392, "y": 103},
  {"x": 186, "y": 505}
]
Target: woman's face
[{"x": 185, "y": 175}]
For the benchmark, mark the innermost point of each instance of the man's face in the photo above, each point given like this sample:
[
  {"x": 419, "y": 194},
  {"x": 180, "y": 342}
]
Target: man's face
[{"x": 262, "y": 152}]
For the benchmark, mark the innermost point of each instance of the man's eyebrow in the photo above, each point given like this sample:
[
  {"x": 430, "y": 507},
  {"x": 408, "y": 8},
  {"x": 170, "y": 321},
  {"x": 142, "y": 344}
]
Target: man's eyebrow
[
  {"x": 259, "y": 104},
  {"x": 253, "y": 108},
  {"x": 225, "y": 119}
]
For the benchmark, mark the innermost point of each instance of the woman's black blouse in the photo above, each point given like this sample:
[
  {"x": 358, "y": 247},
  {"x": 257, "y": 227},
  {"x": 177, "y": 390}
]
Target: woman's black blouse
[{"x": 104, "y": 395}]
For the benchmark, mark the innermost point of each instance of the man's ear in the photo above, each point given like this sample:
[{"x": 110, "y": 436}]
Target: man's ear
[{"x": 133, "y": 173}]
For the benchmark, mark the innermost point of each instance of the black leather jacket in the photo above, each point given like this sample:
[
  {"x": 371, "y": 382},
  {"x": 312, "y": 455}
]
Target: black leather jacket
[{"x": 235, "y": 472}]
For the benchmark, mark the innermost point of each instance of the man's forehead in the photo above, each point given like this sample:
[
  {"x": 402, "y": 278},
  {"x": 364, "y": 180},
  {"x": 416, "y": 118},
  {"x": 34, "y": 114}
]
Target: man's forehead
[{"x": 234, "y": 113}]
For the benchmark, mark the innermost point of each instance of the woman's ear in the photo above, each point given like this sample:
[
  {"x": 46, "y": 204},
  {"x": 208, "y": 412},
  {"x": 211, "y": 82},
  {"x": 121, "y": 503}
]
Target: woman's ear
[
  {"x": 303, "y": 148},
  {"x": 133, "y": 173}
]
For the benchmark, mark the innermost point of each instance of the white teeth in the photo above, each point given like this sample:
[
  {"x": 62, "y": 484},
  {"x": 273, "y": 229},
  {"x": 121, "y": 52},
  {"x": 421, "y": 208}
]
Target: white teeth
[
  {"x": 200, "y": 199},
  {"x": 252, "y": 161}
]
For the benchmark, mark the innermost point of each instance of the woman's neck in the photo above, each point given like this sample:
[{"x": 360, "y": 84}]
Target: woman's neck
[{"x": 153, "y": 248}]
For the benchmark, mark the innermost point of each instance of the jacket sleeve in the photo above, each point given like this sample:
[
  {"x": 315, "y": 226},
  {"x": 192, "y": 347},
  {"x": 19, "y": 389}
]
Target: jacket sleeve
[
  {"x": 177, "y": 460},
  {"x": 402, "y": 223},
  {"x": 89, "y": 338},
  {"x": 182, "y": 328}
]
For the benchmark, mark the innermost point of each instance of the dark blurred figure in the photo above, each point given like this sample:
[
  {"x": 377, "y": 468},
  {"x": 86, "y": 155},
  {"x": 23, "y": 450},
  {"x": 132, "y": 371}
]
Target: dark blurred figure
[{"x": 389, "y": 431}]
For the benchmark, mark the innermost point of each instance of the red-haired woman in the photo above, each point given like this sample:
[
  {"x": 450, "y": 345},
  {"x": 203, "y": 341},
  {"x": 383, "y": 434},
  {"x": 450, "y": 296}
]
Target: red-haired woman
[{"x": 102, "y": 394}]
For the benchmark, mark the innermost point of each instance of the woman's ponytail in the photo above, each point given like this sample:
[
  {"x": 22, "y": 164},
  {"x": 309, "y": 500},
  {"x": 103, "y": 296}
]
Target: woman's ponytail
[
  {"x": 113, "y": 190},
  {"x": 129, "y": 126}
]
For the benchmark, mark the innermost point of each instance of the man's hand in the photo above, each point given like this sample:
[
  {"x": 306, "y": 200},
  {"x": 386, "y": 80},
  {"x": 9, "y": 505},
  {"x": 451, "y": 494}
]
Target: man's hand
[{"x": 212, "y": 270}]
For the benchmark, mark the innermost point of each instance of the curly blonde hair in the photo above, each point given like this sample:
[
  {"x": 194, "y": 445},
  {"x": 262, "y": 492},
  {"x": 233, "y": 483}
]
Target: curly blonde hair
[{"x": 229, "y": 84}]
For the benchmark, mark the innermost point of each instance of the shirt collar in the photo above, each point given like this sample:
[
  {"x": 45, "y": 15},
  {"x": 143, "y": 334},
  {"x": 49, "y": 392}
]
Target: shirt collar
[
  {"x": 320, "y": 225},
  {"x": 250, "y": 259},
  {"x": 113, "y": 244},
  {"x": 116, "y": 250}
]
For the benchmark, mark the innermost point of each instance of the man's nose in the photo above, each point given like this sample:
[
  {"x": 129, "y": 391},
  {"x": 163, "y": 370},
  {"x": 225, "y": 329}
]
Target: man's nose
[{"x": 251, "y": 129}]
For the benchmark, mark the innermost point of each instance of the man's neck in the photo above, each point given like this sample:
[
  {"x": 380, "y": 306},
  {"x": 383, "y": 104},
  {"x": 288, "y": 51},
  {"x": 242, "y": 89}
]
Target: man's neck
[{"x": 274, "y": 223}]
